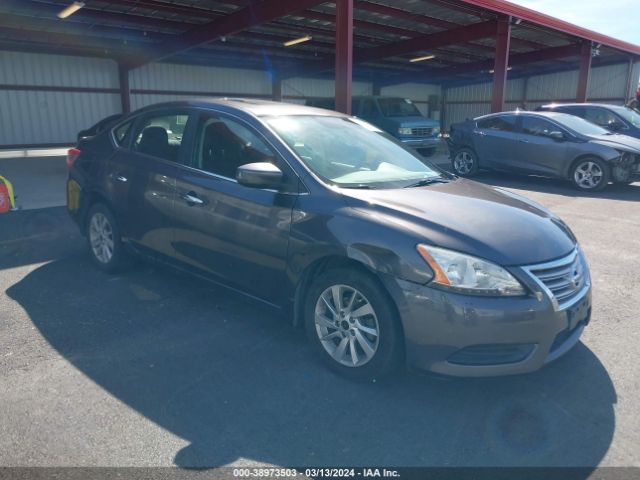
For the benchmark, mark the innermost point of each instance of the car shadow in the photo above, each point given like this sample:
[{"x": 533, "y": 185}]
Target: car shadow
[
  {"x": 235, "y": 380},
  {"x": 628, "y": 193}
]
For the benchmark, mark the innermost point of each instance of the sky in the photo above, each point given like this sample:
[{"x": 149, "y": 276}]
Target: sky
[{"x": 616, "y": 18}]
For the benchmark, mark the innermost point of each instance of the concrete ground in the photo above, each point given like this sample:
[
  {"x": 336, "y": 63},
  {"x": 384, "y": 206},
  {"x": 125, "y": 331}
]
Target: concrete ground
[
  {"x": 151, "y": 367},
  {"x": 38, "y": 181}
]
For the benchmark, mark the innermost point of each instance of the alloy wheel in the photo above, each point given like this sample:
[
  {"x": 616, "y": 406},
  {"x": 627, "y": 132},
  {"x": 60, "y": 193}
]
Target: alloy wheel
[
  {"x": 588, "y": 175},
  {"x": 463, "y": 163},
  {"x": 347, "y": 325},
  {"x": 101, "y": 238}
]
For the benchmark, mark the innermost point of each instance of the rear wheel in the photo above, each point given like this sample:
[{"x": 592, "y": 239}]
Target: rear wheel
[
  {"x": 352, "y": 324},
  {"x": 590, "y": 174},
  {"x": 103, "y": 235},
  {"x": 465, "y": 162}
]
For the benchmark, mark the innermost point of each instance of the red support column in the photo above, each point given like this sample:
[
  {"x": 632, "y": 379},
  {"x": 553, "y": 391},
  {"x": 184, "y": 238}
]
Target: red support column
[
  {"x": 125, "y": 97},
  {"x": 501, "y": 65},
  {"x": 585, "y": 68},
  {"x": 344, "y": 54}
]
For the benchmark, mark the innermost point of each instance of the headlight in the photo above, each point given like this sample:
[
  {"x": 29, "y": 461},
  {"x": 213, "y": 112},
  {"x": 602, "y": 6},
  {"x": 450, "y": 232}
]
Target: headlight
[
  {"x": 436, "y": 131},
  {"x": 467, "y": 274},
  {"x": 404, "y": 131}
]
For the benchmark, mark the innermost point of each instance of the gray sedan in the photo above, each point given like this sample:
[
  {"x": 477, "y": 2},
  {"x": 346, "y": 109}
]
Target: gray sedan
[{"x": 545, "y": 143}]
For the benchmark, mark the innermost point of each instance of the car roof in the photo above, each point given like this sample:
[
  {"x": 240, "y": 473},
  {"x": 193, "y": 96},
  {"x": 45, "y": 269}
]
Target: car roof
[
  {"x": 256, "y": 107},
  {"x": 605, "y": 105},
  {"x": 526, "y": 112}
]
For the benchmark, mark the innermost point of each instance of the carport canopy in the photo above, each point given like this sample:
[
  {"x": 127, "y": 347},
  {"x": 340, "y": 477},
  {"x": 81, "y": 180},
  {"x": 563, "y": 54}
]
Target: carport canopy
[{"x": 447, "y": 42}]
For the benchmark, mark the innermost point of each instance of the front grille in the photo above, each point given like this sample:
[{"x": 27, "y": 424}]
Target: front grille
[
  {"x": 421, "y": 131},
  {"x": 564, "y": 278}
]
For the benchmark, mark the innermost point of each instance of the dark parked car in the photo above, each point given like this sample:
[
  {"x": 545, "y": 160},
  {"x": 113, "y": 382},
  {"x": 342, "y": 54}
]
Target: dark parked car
[
  {"x": 614, "y": 118},
  {"x": 99, "y": 127},
  {"x": 381, "y": 257},
  {"x": 397, "y": 116},
  {"x": 547, "y": 144}
]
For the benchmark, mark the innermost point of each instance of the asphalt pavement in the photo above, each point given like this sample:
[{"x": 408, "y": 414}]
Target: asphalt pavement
[{"x": 154, "y": 368}]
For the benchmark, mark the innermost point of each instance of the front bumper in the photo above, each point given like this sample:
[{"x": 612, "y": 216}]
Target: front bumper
[
  {"x": 465, "y": 335},
  {"x": 421, "y": 142}
]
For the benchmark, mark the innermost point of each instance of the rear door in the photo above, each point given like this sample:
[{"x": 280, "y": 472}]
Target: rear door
[
  {"x": 146, "y": 168},
  {"x": 538, "y": 152},
  {"x": 236, "y": 234},
  {"x": 496, "y": 141}
]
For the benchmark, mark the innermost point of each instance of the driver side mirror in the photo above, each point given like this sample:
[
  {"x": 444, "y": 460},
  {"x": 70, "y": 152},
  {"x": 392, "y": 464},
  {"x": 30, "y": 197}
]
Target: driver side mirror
[
  {"x": 557, "y": 136},
  {"x": 259, "y": 175}
]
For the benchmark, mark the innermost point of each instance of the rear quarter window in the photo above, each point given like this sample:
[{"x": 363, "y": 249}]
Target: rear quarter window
[{"x": 120, "y": 133}]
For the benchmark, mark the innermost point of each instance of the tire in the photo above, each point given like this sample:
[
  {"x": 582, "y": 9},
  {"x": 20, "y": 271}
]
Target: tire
[
  {"x": 590, "y": 174},
  {"x": 103, "y": 238},
  {"x": 465, "y": 162},
  {"x": 374, "y": 335}
]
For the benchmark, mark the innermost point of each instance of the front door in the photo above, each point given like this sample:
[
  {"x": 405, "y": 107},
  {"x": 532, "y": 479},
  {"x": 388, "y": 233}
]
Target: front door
[
  {"x": 539, "y": 153},
  {"x": 236, "y": 234}
]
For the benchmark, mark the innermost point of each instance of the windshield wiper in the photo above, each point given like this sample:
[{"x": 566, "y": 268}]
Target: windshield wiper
[{"x": 427, "y": 181}]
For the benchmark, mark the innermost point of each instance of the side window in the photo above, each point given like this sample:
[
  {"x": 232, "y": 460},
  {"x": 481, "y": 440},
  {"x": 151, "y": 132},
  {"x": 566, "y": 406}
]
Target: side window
[
  {"x": 502, "y": 123},
  {"x": 222, "y": 145},
  {"x": 161, "y": 136},
  {"x": 120, "y": 133},
  {"x": 600, "y": 116},
  {"x": 537, "y": 126}
]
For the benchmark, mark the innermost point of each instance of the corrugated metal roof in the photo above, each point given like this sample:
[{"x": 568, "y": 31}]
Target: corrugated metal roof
[{"x": 120, "y": 28}]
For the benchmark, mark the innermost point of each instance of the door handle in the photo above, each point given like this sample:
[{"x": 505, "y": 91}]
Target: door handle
[
  {"x": 192, "y": 199},
  {"x": 479, "y": 132},
  {"x": 522, "y": 140},
  {"x": 118, "y": 177}
]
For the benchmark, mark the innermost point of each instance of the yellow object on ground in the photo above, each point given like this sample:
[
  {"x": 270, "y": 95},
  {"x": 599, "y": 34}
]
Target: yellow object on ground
[{"x": 6, "y": 195}]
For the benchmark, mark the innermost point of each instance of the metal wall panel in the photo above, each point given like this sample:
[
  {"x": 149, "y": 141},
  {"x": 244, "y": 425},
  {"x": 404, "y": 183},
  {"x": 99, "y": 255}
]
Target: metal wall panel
[
  {"x": 190, "y": 78},
  {"x": 482, "y": 92},
  {"x": 34, "y": 117},
  {"x": 315, "y": 87},
  {"x": 57, "y": 70}
]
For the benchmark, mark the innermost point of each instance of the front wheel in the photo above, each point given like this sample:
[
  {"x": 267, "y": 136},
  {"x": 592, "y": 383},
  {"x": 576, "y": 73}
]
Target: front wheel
[
  {"x": 590, "y": 174},
  {"x": 465, "y": 162},
  {"x": 353, "y": 325}
]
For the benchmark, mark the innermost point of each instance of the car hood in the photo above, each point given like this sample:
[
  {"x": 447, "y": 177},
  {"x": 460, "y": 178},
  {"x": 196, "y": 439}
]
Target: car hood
[
  {"x": 414, "y": 122},
  {"x": 617, "y": 141},
  {"x": 466, "y": 216}
]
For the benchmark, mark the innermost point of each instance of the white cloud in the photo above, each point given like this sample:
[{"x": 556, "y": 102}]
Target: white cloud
[{"x": 616, "y": 18}]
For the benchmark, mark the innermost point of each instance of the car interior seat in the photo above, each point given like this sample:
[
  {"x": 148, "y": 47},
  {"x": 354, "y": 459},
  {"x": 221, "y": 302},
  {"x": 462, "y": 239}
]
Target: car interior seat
[
  {"x": 155, "y": 141},
  {"x": 222, "y": 150}
]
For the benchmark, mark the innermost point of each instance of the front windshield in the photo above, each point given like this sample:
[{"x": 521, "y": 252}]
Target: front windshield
[
  {"x": 349, "y": 152},
  {"x": 580, "y": 125},
  {"x": 628, "y": 114},
  {"x": 398, "y": 107}
]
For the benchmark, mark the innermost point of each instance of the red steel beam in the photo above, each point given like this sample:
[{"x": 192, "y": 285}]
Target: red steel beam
[
  {"x": 430, "y": 41},
  {"x": 537, "y": 18},
  {"x": 500, "y": 66},
  {"x": 344, "y": 54},
  {"x": 240, "y": 20},
  {"x": 585, "y": 68},
  {"x": 551, "y": 53}
]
